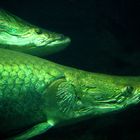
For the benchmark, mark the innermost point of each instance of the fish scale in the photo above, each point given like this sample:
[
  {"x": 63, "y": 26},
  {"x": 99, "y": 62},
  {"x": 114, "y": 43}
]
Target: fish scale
[
  {"x": 23, "y": 81},
  {"x": 12, "y": 72}
]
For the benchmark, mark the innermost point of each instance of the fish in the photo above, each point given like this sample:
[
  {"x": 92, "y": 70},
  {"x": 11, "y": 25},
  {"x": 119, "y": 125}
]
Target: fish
[
  {"x": 37, "y": 94},
  {"x": 19, "y": 35}
]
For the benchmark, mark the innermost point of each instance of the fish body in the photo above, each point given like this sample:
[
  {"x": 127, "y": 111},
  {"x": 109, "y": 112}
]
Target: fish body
[
  {"x": 39, "y": 94},
  {"x": 19, "y": 35}
]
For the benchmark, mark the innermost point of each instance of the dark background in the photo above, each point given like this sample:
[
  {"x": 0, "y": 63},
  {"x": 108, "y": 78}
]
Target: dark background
[{"x": 105, "y": 38}]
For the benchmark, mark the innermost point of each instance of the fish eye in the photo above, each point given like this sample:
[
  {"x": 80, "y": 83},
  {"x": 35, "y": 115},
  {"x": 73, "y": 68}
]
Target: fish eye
[{"x": 38, "y": 31}]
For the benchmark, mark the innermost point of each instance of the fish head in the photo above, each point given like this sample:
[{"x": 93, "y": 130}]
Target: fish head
[
  {"x": 19, "y": 35},
  {"x": 105, "y": 95}
]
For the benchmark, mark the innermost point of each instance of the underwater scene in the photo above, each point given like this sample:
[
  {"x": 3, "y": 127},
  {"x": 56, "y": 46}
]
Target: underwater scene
[{"x": 69, "y": 70}]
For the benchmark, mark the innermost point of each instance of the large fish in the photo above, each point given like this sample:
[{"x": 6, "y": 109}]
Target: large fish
[
  {"x": 38, "y": 94},
  {"x": 17, "y": 34}
]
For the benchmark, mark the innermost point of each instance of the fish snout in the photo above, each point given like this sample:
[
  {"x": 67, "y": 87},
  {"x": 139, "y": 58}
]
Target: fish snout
[
  {"x": 47, "y": 42},
  {"x": 59, "y": 40}
]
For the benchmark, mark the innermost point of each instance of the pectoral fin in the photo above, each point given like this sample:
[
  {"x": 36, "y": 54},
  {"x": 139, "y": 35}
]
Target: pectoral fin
[
  {"x": 61, "y": 99},
  {"x": 34, "y": 131},
  {"x": 65, "y": 96}
]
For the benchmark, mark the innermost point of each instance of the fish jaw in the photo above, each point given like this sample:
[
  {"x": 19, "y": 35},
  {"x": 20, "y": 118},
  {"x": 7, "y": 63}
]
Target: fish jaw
[{"x": 58, "y": 44}]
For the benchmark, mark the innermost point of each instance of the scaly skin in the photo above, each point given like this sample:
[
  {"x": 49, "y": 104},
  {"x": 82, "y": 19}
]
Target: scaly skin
[
  {"x": 17, "y": 34},
  {"x": 29, "y": 92},
  {"x": 22, "y": 84}
]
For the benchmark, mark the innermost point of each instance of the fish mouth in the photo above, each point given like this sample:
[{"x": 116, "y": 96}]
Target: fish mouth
[{"x": 59, "y": 42}]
